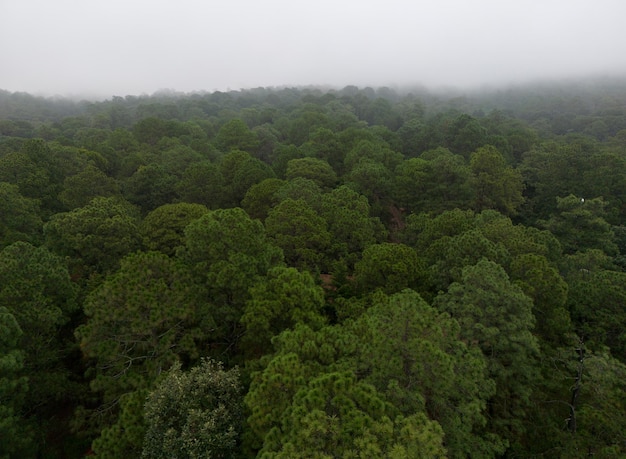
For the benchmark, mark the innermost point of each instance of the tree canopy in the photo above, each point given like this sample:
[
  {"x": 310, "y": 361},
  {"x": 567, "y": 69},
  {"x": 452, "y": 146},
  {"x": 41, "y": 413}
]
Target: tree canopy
[{"x": 314, "y": 272}]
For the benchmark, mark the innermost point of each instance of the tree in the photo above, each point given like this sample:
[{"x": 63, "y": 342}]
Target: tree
[
  {"x": 373, "y": 150},
  {"x": 261, "y": 197},
  {"x": 284, "y": 298},
  {"x": 150, "y": 130},
  {"x": 336, "y": 415},
  {"x": 497, "y": 186},
  {"x": 124, "y": 437},
  {"x": 401, "y": 364},
  {"x": 228, "y": 252},
  {"x": 308, "y": 400},
  {"x": 408, "y": 186},
  {"x": 576, "y": 168},
  {"x": 239, "y": 171},
  {"x": 436, "y": 181},
  {"x": 308, "y": 119},
  {"x": 543, "y": 283},
  {"x": 411, "y": 137},
  {"x": 194, "y": 414},
  {"x": 350, "y": 224},
  {"x": 597, "y": 302},
  {"x": 416, "y": 356},
  {"x": 314, "y": 169},
  {"x": 465, "y": 134},
  {"x": 601, "y": 419},
  {"x": 14, "y": 437},
  {"x": 236, "y": 135},
  {"x": 81, "y": 188},
  {"x": 455, "y": 239},
  {"x": 373, "y": 180},
  {"x": 201, "y": 184},
  {"x": 584, "y": 414},
  {"x": 20, "y": 216},
  {"x": 497, "y": 316},
  {"x": 140, "y": 321},
  {"x": 18, "y": 169},
  {"x": 149, "y": 187},
  {"x": 36, "y": 290},
  {"x": 391, "y": 267},
  {"x": 95, "y": 236},
  {"x": 301, "y": 234},
  {"x": 300, "y": 189},
  {"x": 447, "y": 185},
  {"x": 163, "y": 229},
  {"x": 176, "y": 159},
  {"x": 324, "y": 144},
  {"x": 579, "y": 225}
]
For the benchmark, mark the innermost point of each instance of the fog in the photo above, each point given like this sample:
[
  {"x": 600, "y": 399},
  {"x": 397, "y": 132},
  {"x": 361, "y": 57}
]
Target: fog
[{"x": 120, "y": 47}]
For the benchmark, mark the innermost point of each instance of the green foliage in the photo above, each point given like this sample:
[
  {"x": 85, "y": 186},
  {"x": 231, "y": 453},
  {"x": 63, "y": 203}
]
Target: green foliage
[
  {"x": 496, "y": 185},
  {"x": 284, "y": 298},
  {"x": 597, "y": 304},
  {"x": 35, "y": 288},
  {"x": 465, "y": 134},
  {"x": 194, "y": 414},
  {"x": 584, "y": 415},
  {"x": 239, "y": 171},
  {"x": 475, "y": 202},
  {"x": 149, "y": 187},
  {"x": 560, "y": 169},
  {"x": 544, "y": 285},
  {"x": 416, "y": 357},
  {"x": 163, "y": 229},
  {"x": 391, "y": 267},
  {"x": 437, "y": 181},
  {"x": 124, "y": 438},
  {"x": 152, "y": 129},
  {"x": 14, "y": 437},
  {"x": 300, "y": 189},
  {"x": 601, "y": 423},
  {"x": 228, "y": 252},
  {"x": 301, "y": 234},
  {"x": 201, "y": 183},
  {"x": 96, "y": 236},
  {"x": 18, "y": 169},
  {"x": 90, "y": 183},
  {"x": 497, "y": 316},
  {"x": 313, "y": 169},
  {"x": 324, "y": 144},
  {"x": 351, "y": 227},
  {"x": 140, "y": 320},
  {"x": 455, "y": 239},
  {"x": 373, "y": 180},
  {"x": 235, "y": 135},
  {"x": 337, "y": 416},
  {"x": 374, "y": 151},
  {"x": 20, "y": 216},
  {"x": 261, "y": 197},
  {"x": 579, "y": 225}
]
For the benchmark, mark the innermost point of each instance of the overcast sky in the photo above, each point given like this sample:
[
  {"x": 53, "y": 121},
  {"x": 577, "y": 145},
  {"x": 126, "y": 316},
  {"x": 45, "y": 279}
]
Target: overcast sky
[{"x": 120, "y": 47}]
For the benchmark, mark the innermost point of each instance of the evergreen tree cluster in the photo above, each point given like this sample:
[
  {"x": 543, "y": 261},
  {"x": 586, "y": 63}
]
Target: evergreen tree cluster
[{"x": 307, "y": 273}]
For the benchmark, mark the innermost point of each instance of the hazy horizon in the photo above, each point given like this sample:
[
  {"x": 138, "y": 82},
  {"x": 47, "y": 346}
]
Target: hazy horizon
[{"x": 134, "y": 47}]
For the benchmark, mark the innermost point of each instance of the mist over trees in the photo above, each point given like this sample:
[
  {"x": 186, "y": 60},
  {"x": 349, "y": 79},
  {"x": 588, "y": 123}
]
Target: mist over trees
[{"x": 307, "y": 272}]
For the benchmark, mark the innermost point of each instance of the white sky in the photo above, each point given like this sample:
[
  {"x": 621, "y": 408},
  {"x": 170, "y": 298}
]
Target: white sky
[{"x": 120, "y": 47}]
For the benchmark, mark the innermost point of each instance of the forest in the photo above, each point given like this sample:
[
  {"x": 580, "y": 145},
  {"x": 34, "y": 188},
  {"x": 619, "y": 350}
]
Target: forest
[{"x": 315, "y": 273}]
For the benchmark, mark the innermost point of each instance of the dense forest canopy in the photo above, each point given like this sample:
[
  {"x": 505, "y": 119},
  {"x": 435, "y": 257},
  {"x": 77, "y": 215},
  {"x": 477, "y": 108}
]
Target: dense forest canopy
[{"x": 315, "y": 273}]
